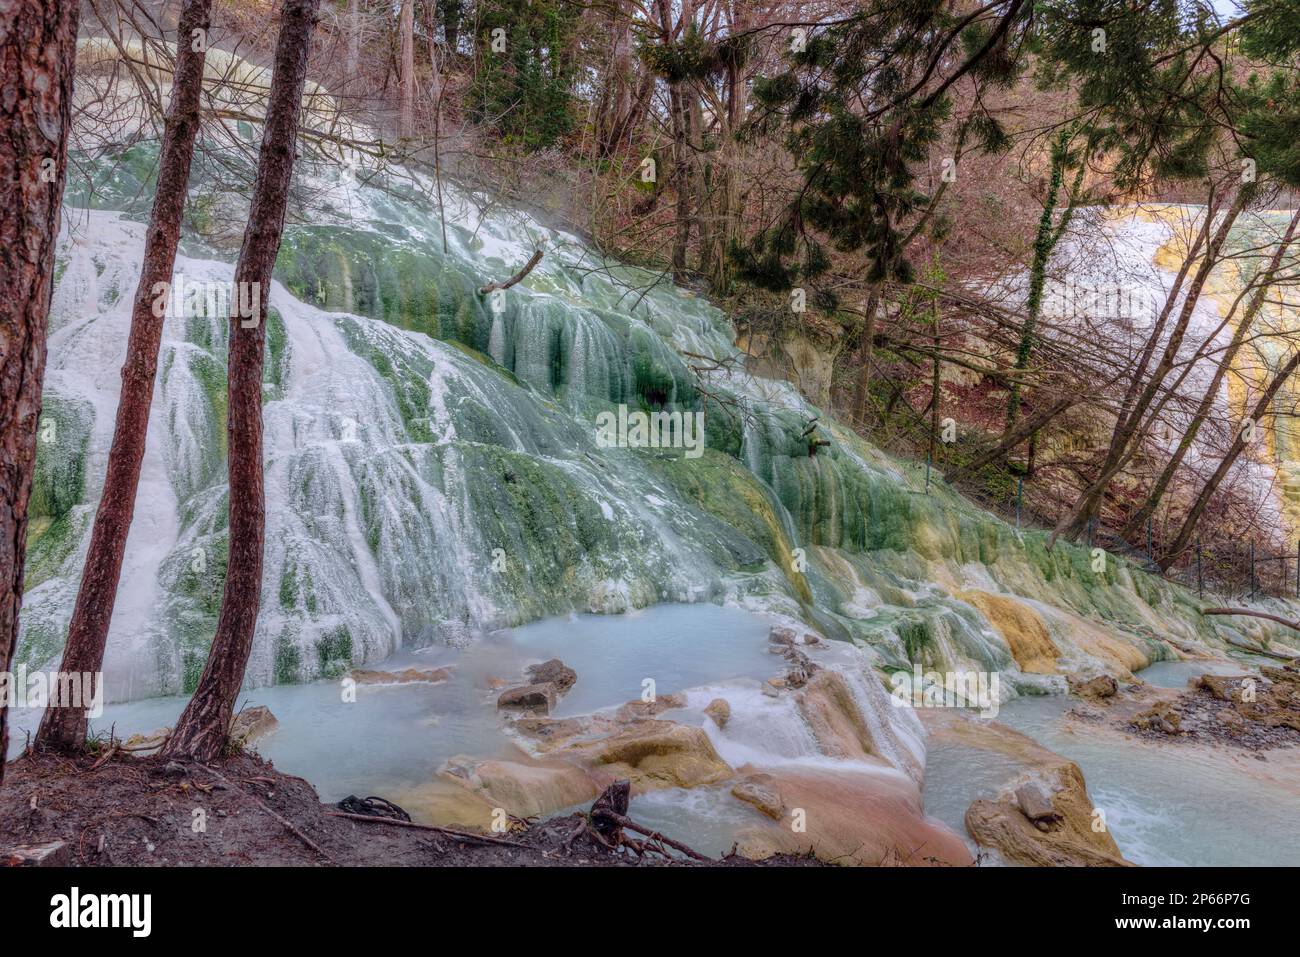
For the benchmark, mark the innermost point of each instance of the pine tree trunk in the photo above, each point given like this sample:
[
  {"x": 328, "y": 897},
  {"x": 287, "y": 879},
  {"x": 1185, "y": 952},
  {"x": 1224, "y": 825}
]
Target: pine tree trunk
[
  {"x": 202, "y": 729},
  {"x": 65, "y": 728},
  {"x": 38, "y": 48}
]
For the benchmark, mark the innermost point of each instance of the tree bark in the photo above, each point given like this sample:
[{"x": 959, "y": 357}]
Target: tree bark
[
  {"x": 38, "y": 48},
  {"x": 202, "y": 728},
  {"x": 65, "y": 728}
]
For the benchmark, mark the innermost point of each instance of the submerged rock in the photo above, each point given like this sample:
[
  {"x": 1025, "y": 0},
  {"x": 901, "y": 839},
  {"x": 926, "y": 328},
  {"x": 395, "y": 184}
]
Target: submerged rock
[
  {"x": 523, "y": 787},
  {"x": 406, "y": 676}
]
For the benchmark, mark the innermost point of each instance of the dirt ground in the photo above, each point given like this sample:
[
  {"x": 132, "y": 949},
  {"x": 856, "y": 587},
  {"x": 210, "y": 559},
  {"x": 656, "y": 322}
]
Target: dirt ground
[{"x": 147, "y": 811}]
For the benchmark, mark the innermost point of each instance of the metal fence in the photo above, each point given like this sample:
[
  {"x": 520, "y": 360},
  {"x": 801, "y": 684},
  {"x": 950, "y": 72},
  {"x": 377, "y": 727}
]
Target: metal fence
[{"x": 1230, "y": 569}]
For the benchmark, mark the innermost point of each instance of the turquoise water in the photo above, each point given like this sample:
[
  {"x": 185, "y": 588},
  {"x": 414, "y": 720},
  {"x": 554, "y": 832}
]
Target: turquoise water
[
  {"x": 398, "y": 735},
  {"x": 1165, "y": 804}
]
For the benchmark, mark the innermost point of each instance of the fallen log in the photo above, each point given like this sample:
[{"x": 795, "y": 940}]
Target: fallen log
[{"x": 528, "y": 267}]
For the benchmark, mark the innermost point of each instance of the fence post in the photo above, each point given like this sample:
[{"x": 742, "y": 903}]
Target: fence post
[
  {"x": 1092, "y": 525},
  {"x": 1252, "y": 569},
  {"x": 1200, "y": 582},
  {"x": 1150, "y": 556},
  {"x": 927, "y": 475},
  {"x": 1020, "y": 495}
]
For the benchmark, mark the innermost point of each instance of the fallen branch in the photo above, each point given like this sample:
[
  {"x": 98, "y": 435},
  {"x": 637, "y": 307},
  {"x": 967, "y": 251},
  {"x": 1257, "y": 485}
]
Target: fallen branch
[
  {"x": 1255, "y": 614},
  {"x": 450, "y": 832},
  {"x": 528, "y": 267},
  {"x": 289, "y": 826}
]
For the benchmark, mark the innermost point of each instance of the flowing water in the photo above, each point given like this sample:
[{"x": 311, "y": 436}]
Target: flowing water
[
  {"x": 437, "y": 481},
  {"x": 1165, "y": 804}
]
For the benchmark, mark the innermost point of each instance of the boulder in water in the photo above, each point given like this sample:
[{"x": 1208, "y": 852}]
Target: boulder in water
[
  {"x": 251, "y": 724},
  {"x": 522, "y": 786},
  {"x": 761, "y": 791},
  {"x": 852, "y": 815},
  {"x": 720, "y": 711},
  {"x": 1066, "y": 840},
  {"x": 537, "y": 697},
  {"x": 653, "y": 753},
  {"x": 649, "y": 709},
  {"x": 1036, "y": 802},
  {"x": 554, "y": 672},
  {"x": 1102, "y": 686}
]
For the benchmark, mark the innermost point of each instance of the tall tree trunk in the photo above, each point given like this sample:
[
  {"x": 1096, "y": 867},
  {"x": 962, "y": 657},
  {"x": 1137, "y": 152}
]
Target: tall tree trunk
[
  {"x": 451, "y": 10},
  {"x": 38, "y": 48},
  {"x": 863, "y": 352},
  {"x": 65, "y": 728},
  {"x": 435, "y": 58},
  {"x": 936, "y": 382},
  {"x": 1244, "y": 324},
  {"x": 1048, "y": 238},
  {"x": 679, "y": 119},
  {"x": 1088, "y": 505},
  {"x": 615, "y": 101},
  {"x": 354, "y": 38},
  {"x": 1225, "y": 465},
  {"x": 406, "y": 79},
  {"x": 202, "y": 728}
]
